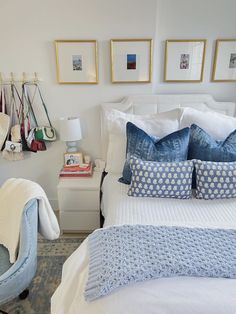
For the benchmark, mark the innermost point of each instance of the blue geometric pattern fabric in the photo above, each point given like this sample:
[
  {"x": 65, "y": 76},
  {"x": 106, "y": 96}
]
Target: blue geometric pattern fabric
[
  {"x": 173, "y": 147},
  {"x": 215, "y": 179},
  {"x": 161, "y": 179},
  {"x": 122, "y": 255}
]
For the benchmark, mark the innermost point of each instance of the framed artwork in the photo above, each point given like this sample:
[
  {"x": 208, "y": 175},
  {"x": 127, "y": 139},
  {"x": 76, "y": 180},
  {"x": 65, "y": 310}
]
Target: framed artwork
[
  {"x": 184, "y": 60},
  {"x": 73, "y": 159},
  {"x": 131, "y": 60},
  {"x": 77, "y": 61},
  {"x": 224, "y": 69}
]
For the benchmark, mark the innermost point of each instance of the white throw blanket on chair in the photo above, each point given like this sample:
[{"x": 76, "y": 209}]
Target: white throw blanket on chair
[{"x": 14, "y": 195}]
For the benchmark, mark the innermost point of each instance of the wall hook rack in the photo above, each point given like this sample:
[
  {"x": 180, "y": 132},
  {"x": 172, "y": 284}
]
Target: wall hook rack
[{"x": 23, "y": 78}]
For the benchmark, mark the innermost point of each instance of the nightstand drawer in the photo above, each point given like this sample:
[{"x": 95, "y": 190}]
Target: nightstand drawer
[
  {"x": 82, "y": 221},
  {"x": 79, "y": 202},
  {"x": 75, "y": 200}
]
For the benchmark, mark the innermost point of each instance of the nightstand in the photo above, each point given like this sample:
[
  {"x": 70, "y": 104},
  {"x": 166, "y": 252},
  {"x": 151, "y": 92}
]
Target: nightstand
[{"x": 79, "y": 203}]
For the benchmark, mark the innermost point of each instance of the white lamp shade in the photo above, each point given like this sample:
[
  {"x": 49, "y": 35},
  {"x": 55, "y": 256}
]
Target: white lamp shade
[{"x": 70, "y": 129}]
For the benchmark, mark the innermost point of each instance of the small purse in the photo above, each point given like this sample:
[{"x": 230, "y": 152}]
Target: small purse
[
  {"x": 33, "y": 144},
  {"x": 45, "y": 133},
  {"x": 11, "y": 146},
  {"x": 37, "y": 146}
]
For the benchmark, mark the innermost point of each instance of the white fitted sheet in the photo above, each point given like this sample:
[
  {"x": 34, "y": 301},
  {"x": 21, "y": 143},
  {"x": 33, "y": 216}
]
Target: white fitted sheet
[
  {"x": 118, "y": 208},
  {"x": 177, "y": 295}
]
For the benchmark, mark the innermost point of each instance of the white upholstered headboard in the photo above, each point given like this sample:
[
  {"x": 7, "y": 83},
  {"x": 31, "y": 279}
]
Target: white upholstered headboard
[{"x": 148, "y": 104}]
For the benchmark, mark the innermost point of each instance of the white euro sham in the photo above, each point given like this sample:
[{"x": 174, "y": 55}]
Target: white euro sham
[{"x": 218, "y": 125}]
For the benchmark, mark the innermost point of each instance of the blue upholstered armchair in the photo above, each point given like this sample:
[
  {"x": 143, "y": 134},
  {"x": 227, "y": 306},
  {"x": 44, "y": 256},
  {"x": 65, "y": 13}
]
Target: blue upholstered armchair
[{"x": 15, "y": 278}]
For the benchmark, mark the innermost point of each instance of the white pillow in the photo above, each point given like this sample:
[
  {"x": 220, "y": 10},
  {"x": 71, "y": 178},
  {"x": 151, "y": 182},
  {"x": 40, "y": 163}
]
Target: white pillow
[
  {"x": 218, "y": 125},
  {"x": 158, "y": 125},
  {"x": 199, "y": 105},
  {"x": 203, "y": 107}
]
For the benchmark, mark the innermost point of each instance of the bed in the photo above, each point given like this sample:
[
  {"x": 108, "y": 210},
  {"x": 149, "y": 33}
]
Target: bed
[{"x": 165, "y": 295}]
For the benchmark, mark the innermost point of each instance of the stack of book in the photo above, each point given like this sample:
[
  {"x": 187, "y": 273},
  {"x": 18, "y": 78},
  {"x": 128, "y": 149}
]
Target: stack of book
[{"x": 85, "y": 170}]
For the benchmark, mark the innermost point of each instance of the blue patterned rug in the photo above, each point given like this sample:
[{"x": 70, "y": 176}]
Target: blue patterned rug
[{"x": 51, "y": 256}]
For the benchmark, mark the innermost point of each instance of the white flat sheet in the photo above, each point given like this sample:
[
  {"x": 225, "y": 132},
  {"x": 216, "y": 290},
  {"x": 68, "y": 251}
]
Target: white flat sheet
[
  {"x": 179, "y": 295},
  {"x": 119, "y": 208}
]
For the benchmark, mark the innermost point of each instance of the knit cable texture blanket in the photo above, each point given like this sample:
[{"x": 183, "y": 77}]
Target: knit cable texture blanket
[{"x": 121, "y": 255}]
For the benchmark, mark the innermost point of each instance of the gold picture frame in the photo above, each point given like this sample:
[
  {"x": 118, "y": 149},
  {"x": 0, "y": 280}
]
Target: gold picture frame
[
  {"x": 131, "y": 60},
  {"x": 224, "y": 67},
  {"x": 76, "y": 61},
  {"x": 184, "y": 60}
]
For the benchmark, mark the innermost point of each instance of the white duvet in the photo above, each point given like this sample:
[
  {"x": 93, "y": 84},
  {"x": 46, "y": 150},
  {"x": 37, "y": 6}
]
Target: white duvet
[{"x": 179, "y": 295}]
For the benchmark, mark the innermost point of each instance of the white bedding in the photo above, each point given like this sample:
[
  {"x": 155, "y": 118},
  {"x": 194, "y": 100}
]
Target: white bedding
[
  {"x": 119, "y": 208},
  {"x": 180, "y": 295}
]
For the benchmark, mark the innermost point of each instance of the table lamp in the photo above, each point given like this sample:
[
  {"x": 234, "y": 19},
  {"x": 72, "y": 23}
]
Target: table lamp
[{"x": 70, "y": 132}]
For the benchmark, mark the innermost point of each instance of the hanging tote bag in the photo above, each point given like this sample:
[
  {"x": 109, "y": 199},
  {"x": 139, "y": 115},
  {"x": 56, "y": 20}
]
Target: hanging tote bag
[
  {"x": 4, "y": 118},
  {"x": 26, "y": 137},
  {"x": 13, "y": 150},
  {"x": 33, "y": 144},
  {"x": 15, "y": 127},
  {"x": 45, "y": 133}
]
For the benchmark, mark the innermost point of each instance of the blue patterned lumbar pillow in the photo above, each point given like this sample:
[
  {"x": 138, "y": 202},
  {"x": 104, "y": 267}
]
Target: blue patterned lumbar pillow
[
  {"x": 161, "y": 179},
  {"x": 202, "y": 146},
  {"x": 215, "y": 179},
  {"x": 173, "y": 147}
]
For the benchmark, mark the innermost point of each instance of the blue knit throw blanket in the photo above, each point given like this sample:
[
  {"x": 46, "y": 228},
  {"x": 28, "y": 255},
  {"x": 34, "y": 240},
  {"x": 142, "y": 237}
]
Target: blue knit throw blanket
[{"x": 122, "y": 255}]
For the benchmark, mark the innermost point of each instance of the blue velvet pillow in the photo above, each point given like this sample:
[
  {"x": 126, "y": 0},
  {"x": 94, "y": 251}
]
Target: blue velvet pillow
[
  {"x": 173, "y": 147},
  {"x": 203, "y": 147},
  {"x": 161, "y": 179}
]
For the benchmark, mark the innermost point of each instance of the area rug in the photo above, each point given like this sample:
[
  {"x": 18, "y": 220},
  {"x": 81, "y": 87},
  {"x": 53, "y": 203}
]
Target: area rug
[{"x": 51, "y": 256}]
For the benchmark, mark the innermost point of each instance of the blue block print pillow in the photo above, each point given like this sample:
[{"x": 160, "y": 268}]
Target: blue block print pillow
[
  {"x": 173, "y": 147},
  {"x": 203, "y": 147},
  {"x": 215, "y": 180},
  {"x": 161, "y": 179}
]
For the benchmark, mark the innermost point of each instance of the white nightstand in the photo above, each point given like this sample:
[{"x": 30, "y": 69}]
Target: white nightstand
[{"x": 79, "y": 203}]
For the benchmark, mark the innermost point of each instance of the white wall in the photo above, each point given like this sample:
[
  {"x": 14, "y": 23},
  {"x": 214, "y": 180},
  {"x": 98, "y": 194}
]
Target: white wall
[
  {"x": 194, "y": 19},
  {"x": 29, "y": 27},
  {"x": 27, "y": 31}
]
